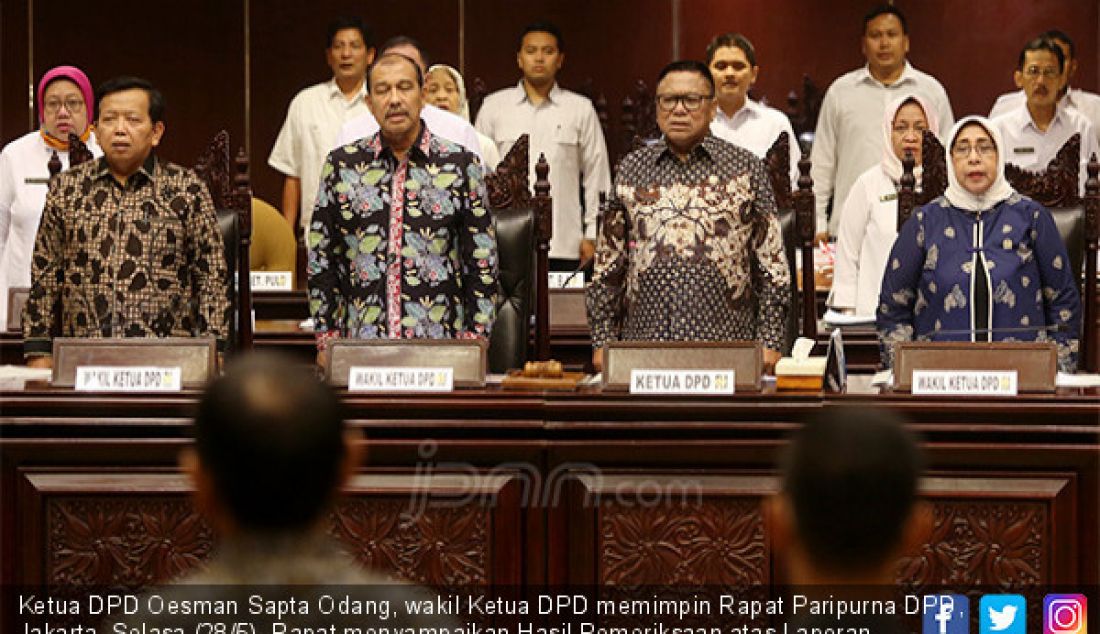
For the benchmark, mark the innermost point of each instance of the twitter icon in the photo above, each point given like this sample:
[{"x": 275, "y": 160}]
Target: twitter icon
[{"x": 1003, "y": 614}]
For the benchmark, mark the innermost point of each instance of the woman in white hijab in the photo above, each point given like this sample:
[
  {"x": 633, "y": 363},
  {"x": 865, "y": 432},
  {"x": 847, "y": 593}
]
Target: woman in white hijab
[
  {"x": 447, "y": 91},
  {"x": 868, "y": 223},
  {"x": 980, "y": 263}
]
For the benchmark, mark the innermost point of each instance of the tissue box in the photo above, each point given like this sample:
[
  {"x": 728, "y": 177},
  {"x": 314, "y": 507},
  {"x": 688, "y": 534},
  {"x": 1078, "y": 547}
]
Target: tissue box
[{"x": 800, "y": 374}]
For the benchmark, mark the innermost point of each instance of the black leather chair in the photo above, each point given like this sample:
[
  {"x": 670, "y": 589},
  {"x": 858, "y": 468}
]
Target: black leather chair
[
  {"x": 508, "y": 344},
  {"x": 514, "y": 219},
  {"x": 777, "y": 162}
]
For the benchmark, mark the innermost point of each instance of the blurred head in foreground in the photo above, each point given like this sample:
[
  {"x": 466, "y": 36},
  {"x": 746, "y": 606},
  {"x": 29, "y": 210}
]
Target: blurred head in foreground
[{"x": 848, "y": 507}]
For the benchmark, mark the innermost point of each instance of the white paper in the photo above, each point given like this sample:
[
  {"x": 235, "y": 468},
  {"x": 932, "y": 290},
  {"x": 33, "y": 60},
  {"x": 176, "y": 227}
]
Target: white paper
[
  {"x": 22, "y": 372},
  {"x": 835, "y": 318},
  {"x": 883, "y": 378},
  {"x": 1077, "y": 380}
]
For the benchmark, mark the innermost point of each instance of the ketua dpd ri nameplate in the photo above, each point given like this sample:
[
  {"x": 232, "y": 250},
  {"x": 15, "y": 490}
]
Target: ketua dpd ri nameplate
[{"x": 745, "y": 358}]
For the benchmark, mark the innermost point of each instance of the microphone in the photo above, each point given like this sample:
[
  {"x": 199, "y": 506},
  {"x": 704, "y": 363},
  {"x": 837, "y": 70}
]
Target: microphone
[
  {"x": 993, "y": 331},
  {"x": 580, "y": 267}
]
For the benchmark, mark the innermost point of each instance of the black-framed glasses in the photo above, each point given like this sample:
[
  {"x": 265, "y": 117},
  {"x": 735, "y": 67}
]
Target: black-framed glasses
[
  {"x": 691, "y": 102},
  {"x": 72, "y": 104}
]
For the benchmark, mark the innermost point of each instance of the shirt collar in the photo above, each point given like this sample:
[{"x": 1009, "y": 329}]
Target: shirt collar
[
  {"x": 148, "y": 168},
  {"x": 907, "y": 75},
  {"x": 750, "y": 109},
  {"x": 703, "y": 150},
  {"x": 552, "y": 97},
  {"x": 334, "y": 92},
  {"x": 418, "y": 152},
  {"x": 1023, "y": 117}
]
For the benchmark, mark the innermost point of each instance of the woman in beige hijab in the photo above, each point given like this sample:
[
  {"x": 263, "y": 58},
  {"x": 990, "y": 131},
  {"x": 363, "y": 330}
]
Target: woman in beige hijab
[{"x": 447, "y": 91}]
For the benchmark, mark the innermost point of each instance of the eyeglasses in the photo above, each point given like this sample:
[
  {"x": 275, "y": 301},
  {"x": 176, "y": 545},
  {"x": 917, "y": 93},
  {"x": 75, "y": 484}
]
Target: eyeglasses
[
  {"x": 1050, "y": 72},
  {"x": 691, "y": 103},
  {"x": 985, "y": 150},
  {"x": 73, "y": 105}
]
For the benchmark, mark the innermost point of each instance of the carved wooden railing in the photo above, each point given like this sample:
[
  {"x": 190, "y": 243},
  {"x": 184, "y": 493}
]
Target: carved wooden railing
[{"x": 228, "y": 183}]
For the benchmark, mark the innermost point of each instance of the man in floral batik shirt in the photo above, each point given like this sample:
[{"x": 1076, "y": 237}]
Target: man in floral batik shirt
[
  {"x": 690, "y": 248},
  {"x": 401, "y": 245}
]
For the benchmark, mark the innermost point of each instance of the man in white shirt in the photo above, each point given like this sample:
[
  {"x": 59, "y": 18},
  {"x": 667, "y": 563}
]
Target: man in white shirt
[
  {"x": 1035, "y": 130},
  {"x": 1087, "y": 103},
  {"x": 848, "y": 139},
  {"x": 562, "y": 125},
  {"x": 315, "y": 115},
  {"x": 448, "y": 125},
  {"x": 738, "y": 119}
]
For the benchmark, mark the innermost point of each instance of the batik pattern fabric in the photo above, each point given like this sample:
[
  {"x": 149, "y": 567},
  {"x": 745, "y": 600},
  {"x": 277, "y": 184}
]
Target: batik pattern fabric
[
  {"x": 402, "y": 249},
  {"x": 927, "y": 289},
  {"x": 690, "y": 250},
  {"x": 144, "y": 259}
]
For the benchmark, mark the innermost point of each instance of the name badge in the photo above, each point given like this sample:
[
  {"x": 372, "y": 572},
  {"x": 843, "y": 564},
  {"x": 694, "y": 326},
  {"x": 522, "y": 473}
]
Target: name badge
[
  {"x": 1023, "y": 150},
  {"x": 965, "y": 382},
  {"x": 30, "y": 180},
  {"x": 560, "y": 279},
  {"x": 271, "y": 281},
  {"x": 885, "y": 198},
  {"x": 694, "y": 382},
  {"x": 99, "y": 378},
  {"x": 377, "y": 379}
]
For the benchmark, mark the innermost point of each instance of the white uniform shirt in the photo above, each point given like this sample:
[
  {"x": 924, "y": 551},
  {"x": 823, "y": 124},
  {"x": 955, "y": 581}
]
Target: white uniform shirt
[
  {"x": 1029, "y": 147},
  {"x": 445, "y": 124},
  {"x": 312, "y": 122},
  {"x": 566, "y": 129},
  {"x": 24, "y": 181},
  {"x": 755, "y": 127},
  {"x": 1086, "y": 103},
  {"x": 849, "y": 140},
  {"x": 868, "y": 228}
]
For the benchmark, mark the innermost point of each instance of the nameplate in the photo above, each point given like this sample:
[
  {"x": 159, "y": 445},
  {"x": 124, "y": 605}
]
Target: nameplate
[
  {"x": 30, "y": 180},
  {"x": 1023, "y": 150},
  {"x": 272, "y": 281},
  {"x": 742, "y": 359},
  {"x": 964, "y": 383},
  {"x": 467, "y": 359},
  {"x": 560, "y": 279},
  {"x": 885, "y": 198},
  {"x": 195, "y": 357},
  {"x": 375, "y": 379},
  {"x": 691, "y": 382},
  {"x": 95, "y": 378},
  {"x": 1034, "y": 364}
]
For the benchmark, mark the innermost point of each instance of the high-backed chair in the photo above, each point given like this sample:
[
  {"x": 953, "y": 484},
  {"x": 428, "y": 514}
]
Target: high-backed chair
[
  {"x": 273, "y": 245},
  {"x": 796, "y": 219},
  {"x": 1077, "y": 219},
  {"x": 522, "y": 247},
  {"x": 227, "y": 181}
]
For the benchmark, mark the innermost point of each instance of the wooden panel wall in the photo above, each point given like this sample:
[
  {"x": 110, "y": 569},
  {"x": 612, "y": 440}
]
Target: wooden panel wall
[{"x": 196, "y": 51}]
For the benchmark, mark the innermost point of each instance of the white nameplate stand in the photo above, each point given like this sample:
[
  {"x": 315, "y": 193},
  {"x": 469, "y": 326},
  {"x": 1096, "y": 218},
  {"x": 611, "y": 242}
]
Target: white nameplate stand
[
  {"x": 102, "y": 378},
  {"x": 390, "y": 379},
  {"x": 265, "y": 281},
  {"x": 682, "y": 382},
  {"x": 965, "y": 382}
]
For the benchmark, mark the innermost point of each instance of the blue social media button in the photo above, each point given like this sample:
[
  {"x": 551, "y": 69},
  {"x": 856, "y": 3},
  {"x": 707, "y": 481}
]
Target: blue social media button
[
  {"x": 945, "y": 614},
  {"x": 1002, "y": 614}
]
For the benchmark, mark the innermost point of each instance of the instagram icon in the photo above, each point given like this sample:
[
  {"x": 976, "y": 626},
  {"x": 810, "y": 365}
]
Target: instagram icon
[{"x": 1065, "y": 614}]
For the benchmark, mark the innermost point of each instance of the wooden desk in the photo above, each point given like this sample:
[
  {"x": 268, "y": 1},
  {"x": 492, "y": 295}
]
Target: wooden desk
[{"x": 512, "y": 488}]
